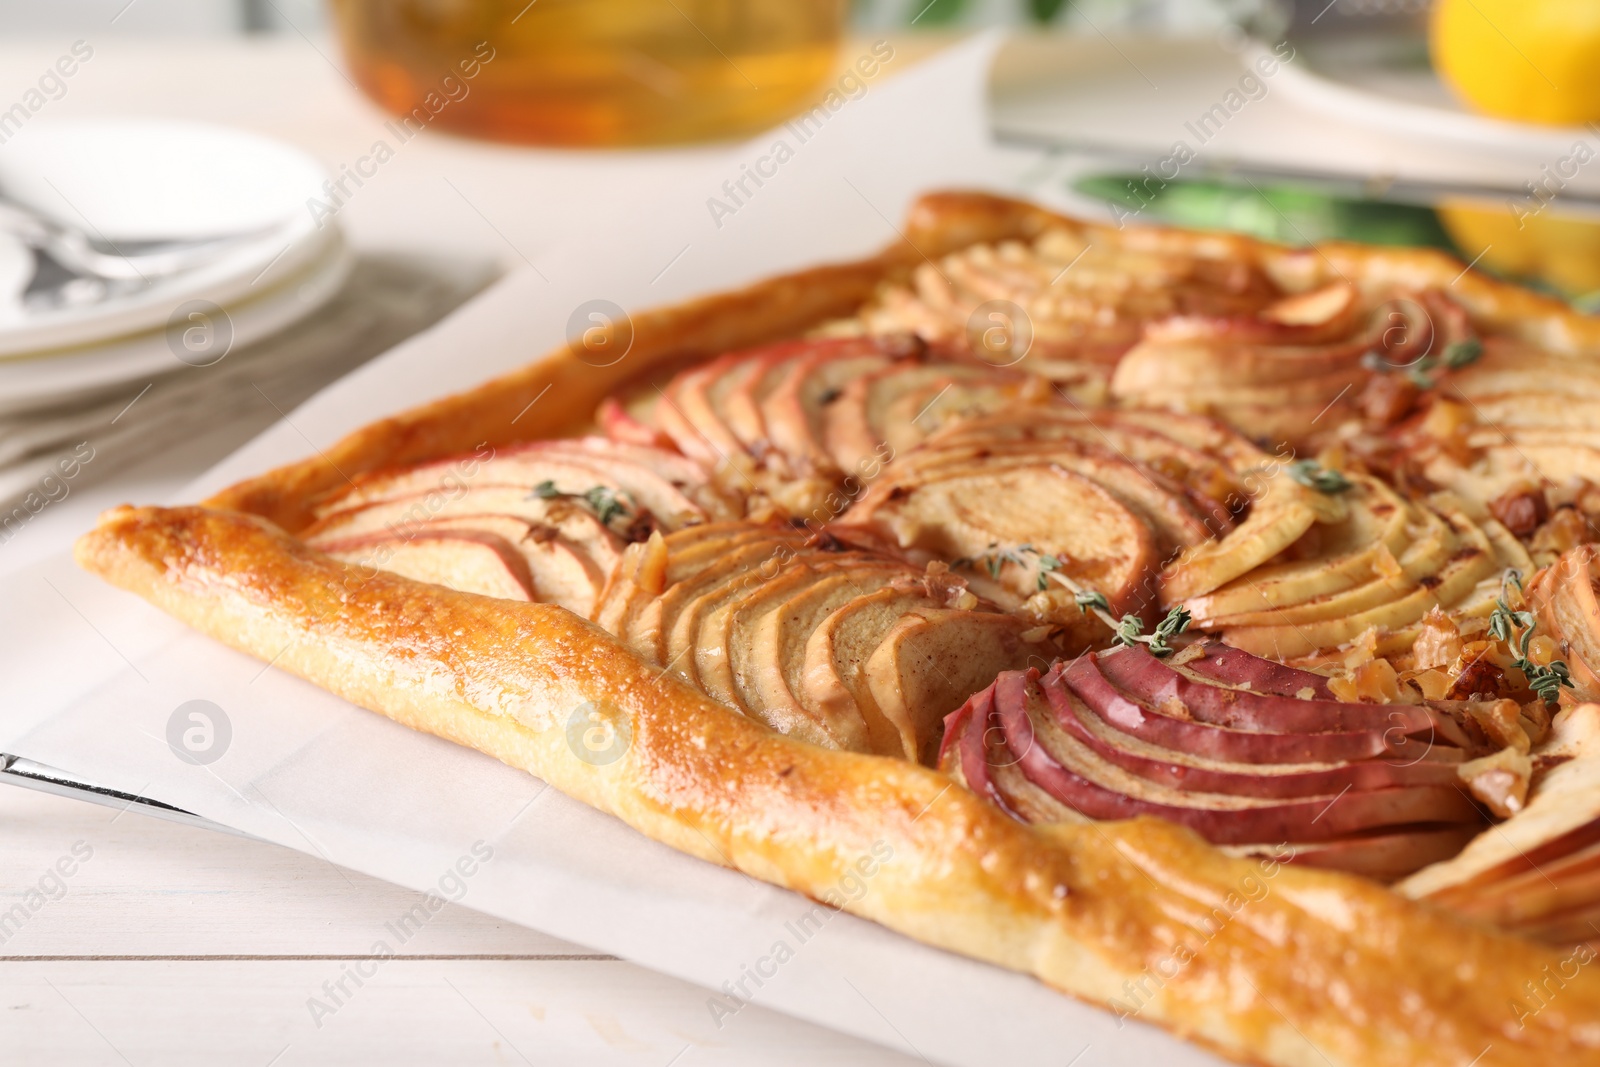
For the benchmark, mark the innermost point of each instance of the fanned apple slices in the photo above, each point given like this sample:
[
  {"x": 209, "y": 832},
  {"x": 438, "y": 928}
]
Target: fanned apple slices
[
  {"x": 1085, "y": 295},
  {"x": 1562, "y": 598},
  {"x": 1537, "y": 873},
  {"x": 1384, "y": 566},
  {"x": 1517, "y": 415},
  {"x": 806, "y": 422},
  {"x": 545, "y": 521},
  {"x": 1262, "y": 759},
  {"x": 840, "y": 645},
  {"x": 1116, "y": 501}
]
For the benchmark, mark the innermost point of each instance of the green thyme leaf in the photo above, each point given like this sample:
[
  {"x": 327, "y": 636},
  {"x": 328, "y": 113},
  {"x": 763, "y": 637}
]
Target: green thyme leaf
[
  {"x": 1089, "y": 598},
  {"x": 1175, "y": 623},
  {"x": 1458, "y": 354},
  {"x": 605, "y": 504},
  {"x": 546, "y": 490},
  {"x": 1130, "y": 630},
  {"x": 1047, "y": 563},
  {"x": 1312, "y": 476}
]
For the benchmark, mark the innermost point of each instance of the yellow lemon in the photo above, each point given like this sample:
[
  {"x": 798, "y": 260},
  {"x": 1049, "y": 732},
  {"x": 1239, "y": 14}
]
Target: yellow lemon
[
  {"x": 1564, "y": 252},
  {"x": 1529, "y": 60}
]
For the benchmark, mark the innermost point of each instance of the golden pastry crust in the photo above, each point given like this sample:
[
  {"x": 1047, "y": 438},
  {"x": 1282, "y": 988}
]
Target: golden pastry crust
[
  {"x": 1261, "y": 961},
  {"x": 1266, "y": 963}
]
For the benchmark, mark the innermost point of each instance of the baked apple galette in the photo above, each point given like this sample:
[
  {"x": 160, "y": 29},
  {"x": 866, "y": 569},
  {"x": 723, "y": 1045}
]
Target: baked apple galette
[{"x": 1209, "y": 627}]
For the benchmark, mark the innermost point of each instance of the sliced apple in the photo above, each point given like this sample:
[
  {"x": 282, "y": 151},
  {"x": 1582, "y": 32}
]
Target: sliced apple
[
  {"x": 468, "y": 561},
  {"x": 1070, "y": 771},
  {"x": 1563, "y": 598},
  {"x": 1338, "y": 556},
  {"x": 931, "y": 660},
  {"x": 794, "y": 410},
  {"x": 1098, "y": 539}
]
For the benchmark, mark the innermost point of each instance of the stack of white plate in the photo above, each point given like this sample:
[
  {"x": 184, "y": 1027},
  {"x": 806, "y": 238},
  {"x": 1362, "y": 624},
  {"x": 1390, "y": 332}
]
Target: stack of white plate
[{"x": 125, "y": 184}]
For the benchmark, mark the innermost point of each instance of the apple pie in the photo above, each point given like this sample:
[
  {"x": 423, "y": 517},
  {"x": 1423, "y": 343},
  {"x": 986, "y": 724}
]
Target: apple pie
[{"x": 1208, "y": 628}]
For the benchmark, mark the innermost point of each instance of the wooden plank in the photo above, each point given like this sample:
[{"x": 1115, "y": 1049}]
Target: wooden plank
[
  {"x": 154, "y": 888},
  {"x": 162, "y": 943},
  {"x": 458, "y": 1012}
]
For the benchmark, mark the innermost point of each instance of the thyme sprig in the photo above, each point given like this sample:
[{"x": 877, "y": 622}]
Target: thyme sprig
[
  {"x": 1515, "y": 629},
  {"x": 1457, "y": 354},
  {"x": 1130, "y": 631},
  {"x": 601, "y": 499},
  {"x": 1313, "y": 476},
  {"x": 995, "y": 558}
]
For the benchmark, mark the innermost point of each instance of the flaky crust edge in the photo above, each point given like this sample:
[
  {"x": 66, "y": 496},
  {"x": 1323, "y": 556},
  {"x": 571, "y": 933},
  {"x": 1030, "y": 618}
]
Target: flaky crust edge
[
  {"x": 1270, "y": 964},
  {"x": 1322, "y": 969}
]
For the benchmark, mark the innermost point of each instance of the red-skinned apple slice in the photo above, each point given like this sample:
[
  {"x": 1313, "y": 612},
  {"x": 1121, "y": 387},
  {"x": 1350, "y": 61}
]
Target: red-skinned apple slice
[
  {"x": 1188, "y": 773},
  {"x": 1236, "y": 667},
  {"x": 1150, "y": 681},
  {"x": 1086, "y": 681},
  {"x": 1102, "y": 791}
]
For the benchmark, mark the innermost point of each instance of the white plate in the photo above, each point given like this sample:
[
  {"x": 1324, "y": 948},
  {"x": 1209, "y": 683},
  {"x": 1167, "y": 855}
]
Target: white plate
[
  {"x": 130, "y": 180},
  {"x": 1377, "y": 85},
  {"x": 29, "y": 383}
]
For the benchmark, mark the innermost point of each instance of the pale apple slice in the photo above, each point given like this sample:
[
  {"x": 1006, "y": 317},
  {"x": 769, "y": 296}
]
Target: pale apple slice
[
  {"x": 833, "y": 686},
  {"x": 698, "y": 634},
  {"x": 1339, "y": 556},
  {"x": 574, "y": 522},
  {"x": 1098, "y": 539},
  {"x": 689, "y": 413},
  {"x": 647, "y": 629},
  {"x": 688, "y": 551},
  {"x": 768, "y": 651},
  {"x": 855, "y": 424},
  {"x": 1279, "y": 516},
  {"x": 1209, "y": 481},
  {"x": 741, "y": 406},
  {"x": 931, "y": 660},
  {"x": 1421, "y": 562},
  {"x": 467, "y": 561},
  {"x": 1163, "y": 504},
  {"x": 920, "y": 413},
  {"x": 1562, "y": 816},
  {"x": 724, "y": 644},
  {"x": 1563, "y": 598},
  {"x": 1472, "y": 563},
  {"x": 794, "y": 410}
]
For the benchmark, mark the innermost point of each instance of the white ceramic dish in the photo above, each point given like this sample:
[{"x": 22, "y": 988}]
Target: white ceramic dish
[
  {"x": 1373, "y": 88},
  {"x": 133, "y": 180},
  {"x": 32, "y": 383}
]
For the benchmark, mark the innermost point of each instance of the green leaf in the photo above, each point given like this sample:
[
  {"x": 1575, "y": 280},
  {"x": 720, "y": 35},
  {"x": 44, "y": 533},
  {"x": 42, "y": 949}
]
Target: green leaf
[
  {"x": 1089, "y": 598},
  {"x": 1045, "y": 10},
  {"x": 939, "y": 12},
  {"x": 1459, "y": 354},
  {"x": 1310, "y": 475},
  {"x": 546, "y": 490}
]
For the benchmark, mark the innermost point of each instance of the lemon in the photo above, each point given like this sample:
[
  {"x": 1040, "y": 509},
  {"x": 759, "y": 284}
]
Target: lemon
[
  {"x": 1529, "y": 60},
  {"x": 1564, "y": 252}
]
